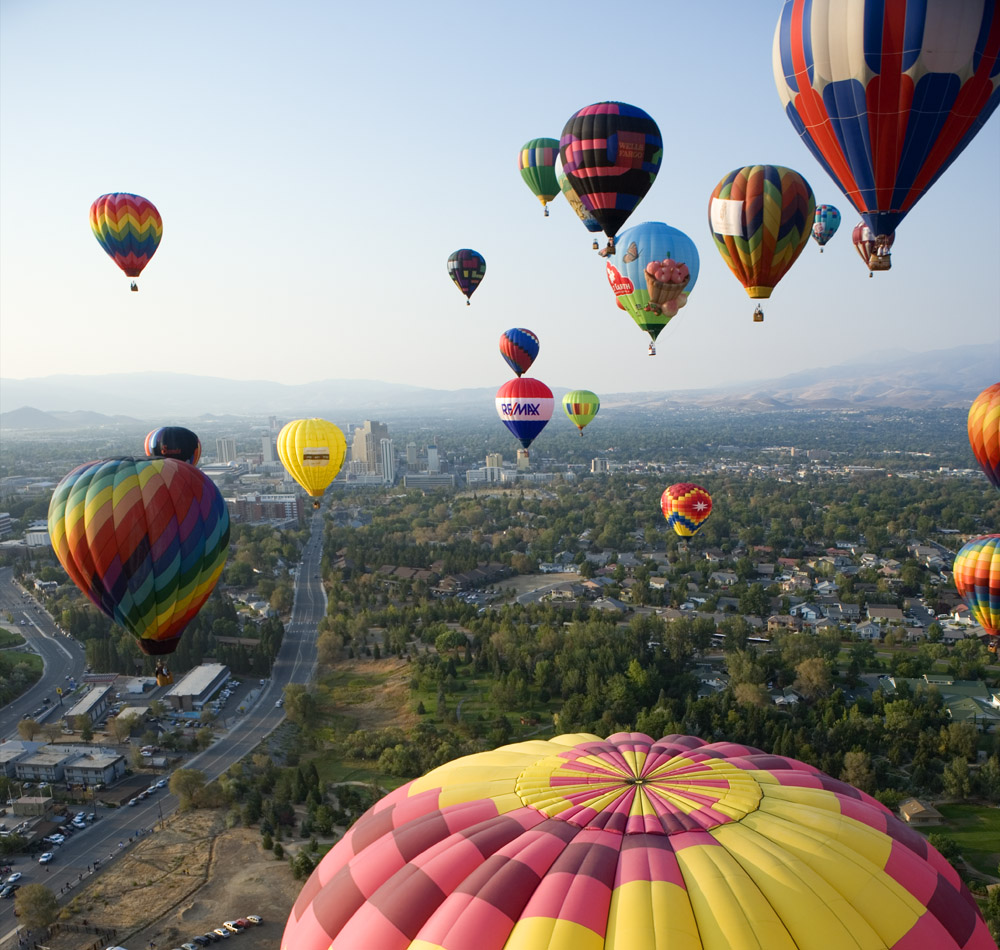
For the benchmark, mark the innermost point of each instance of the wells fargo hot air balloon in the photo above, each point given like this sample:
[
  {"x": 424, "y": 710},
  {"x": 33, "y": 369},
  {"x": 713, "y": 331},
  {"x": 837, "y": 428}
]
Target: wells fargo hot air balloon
[
  {"x": 144, "y": 539},
  {"x": 611, "y": 152},
  {"x": 650, "y": 302},
  {"x": 312, "y": 451},
  {"x": 825, "y": 223},
  {"x": 686, "y": 507},
  {"x": 887, "y": 95},
  {"x": 761, "y": 217},
  {"x": 524, "y": 405},
  {"x": 173, "y": 442},
  {"x": 984, "y": 431},
  {"x": 129, "y": 229},
  {"x": 977, "y": 577},
  {"x": 627, "y": 843},
  {"x": 519, "y": 347},
  {"x": 467, "y": 269},
  {"x": 581, "y": 405},
  {"x": 537, "y": 163},
  {"x": 875, "y": 255}
]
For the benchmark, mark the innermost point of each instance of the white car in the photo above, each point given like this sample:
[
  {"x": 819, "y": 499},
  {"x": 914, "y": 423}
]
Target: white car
[
  {"x": 16, "y": 876},
  {"x": 45, "y": 858}
]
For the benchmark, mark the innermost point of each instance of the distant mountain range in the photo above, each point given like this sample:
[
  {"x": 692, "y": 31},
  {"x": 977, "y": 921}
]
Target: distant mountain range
[{"x": 943, "y": 379}]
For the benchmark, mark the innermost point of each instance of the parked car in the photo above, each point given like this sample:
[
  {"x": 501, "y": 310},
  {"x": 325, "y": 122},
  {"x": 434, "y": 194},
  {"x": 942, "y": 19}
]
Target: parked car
[
  {"x": 8, "y": 890},
  {"x": 255, "y": 919},
  {"x": 242, "y": 923},
  {"x": 222, "y": 932}
]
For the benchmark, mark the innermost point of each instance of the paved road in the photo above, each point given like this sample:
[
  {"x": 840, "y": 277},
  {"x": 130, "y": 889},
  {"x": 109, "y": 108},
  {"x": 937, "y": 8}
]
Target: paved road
[{"x": 295, "y": 663}]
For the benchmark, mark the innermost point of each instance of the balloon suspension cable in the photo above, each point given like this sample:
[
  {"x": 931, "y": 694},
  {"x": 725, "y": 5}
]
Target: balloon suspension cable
[{"x": 134, "y": 287}]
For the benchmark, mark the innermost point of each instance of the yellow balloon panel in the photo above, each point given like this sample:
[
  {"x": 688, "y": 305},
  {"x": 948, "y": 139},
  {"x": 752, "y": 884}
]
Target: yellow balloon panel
[{"x": 312, "y": 451}]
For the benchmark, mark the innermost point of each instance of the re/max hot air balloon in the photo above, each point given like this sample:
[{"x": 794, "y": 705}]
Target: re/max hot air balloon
[
  {"x": 977, "y": 577},
  {"x": 580, "y": 406},
  {"x": 524, "y": 405},
  {"x": 144, "y": 539},
  {"x": 173, "y": 442},
  {"x": 312, "y": 451},
  {"x": 875, "y": 255},
  {"x": 467, "y": 269},
  {"x": 129, "y": 229},
  {"x": 611, "y": 152},
  {"x": 761, "y": 217},
  {"x": 642, "y": 246},
  {"x": 887, "y": 95},
  {"x": 984, "y": 432},
  {"x": 825, "y": 223},
  {"x": 519, "y": 347},
  {"x": 686, "y": 507},
  {"x": 537, "y": 163},
  {"x": 630, "y": 843}
]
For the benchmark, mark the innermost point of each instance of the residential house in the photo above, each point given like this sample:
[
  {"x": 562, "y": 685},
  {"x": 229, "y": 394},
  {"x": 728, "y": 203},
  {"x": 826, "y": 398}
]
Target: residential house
[
  {"x": 809, "y": 612},
  {"x": 723, "y": 578},
  {"x": 778, "y": 623},
  {"x": 882, "y": 613},
  {"x": 868, "y": 631},
  {"x": 919, "y": 814}
]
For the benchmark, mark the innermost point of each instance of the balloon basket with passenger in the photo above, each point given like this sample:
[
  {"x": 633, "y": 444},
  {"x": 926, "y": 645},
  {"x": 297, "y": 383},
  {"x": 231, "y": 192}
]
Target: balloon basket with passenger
[{"x": 163, "y": 676}]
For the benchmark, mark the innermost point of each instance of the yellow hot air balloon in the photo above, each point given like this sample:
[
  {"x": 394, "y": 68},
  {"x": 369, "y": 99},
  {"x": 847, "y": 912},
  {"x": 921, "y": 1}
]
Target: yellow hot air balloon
[{"x": 312, "y": 451}]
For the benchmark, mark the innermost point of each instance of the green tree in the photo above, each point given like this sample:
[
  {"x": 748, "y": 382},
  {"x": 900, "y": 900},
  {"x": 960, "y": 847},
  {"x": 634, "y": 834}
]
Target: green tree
[
  {"x": 36, "y": 906},
  {"x": 956, "y": 778},
  {"x": 187, "y": 785}
]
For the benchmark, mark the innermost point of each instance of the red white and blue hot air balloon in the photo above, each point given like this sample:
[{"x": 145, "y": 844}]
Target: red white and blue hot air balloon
[
  {"x": 519, "y": 347},
  {"x": 524, "y": 405}
]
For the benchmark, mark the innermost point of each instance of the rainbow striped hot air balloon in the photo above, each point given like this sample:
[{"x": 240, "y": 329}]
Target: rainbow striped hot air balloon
[
  {"x": 581, "y": 405},
  {"x": 761, "y": 217},
  {"x": 627, "y": 843},
  {"x": 984, "y": 431},
  {"x": 686, "y": 507},
  {"x": 144, "y": 539},
  {"x": 129, "y": 229},
  {"x": 977, "y": 576},
  {"x": 537, "y": 163}
]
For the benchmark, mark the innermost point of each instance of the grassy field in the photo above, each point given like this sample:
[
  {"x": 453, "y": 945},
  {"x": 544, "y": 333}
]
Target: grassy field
[{"x": 976, "y": 830}]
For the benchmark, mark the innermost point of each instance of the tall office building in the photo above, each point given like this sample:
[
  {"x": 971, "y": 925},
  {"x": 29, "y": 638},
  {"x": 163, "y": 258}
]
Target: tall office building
[
  {"x": 523, "y": 463},
  {"x": 268, "y": 450},
  {"x": 225, "y": 450},
  {"x": 494, "y": 460},
  {"x": 411, "y": 456},
  {"x": 433, "y": 462},
  {"x": 388, "y": 461},
  {"x": 365, "y": 446}
]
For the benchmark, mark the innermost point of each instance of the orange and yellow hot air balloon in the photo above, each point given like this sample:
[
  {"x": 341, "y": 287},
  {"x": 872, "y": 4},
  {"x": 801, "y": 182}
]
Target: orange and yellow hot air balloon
[{"x": 984, "y": 431}]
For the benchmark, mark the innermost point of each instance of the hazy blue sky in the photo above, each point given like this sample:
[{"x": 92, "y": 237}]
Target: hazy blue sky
[{"x": 315, "y": 164}]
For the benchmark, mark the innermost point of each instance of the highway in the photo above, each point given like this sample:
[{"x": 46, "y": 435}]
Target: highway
[{"x": 74, "y": 860}]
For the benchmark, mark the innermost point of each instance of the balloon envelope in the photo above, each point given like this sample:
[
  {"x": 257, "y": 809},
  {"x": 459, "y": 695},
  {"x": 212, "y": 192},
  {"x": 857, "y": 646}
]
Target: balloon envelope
[
  {"x": 312, "y": 451},
  {"x": 638, "y": 247},
  {"x": 519, "y": 347},
  {"x": 467, "y": 269},
  {"x": 589, "y": 221},
  {"x": 627, "y": 843},
  {"x": 537, "y": 164},
  {"x": 686, "y": 507},
  {"x": 581, "y": 405},
  {"x": 173, "y": 442},
  {"x": 611, "y": 152},
  {"x": 826, "y": 220},
  {"x": 984, "y": 431},
  {"x": 977, "y": 577},
  {"x": 129, "y": 229},
  {"x": 524, "y": 405},
  {"x": 887, "y": 95},
  {"x": 144, "y": 539}
]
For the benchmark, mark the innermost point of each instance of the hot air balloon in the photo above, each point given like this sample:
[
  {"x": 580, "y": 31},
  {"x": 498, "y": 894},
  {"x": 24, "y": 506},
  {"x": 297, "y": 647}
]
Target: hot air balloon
[
  {"x": 519, "y": 347},
  {"x": 144, "y": 539},
  {"x": 984, "y": 432},
  {"x": 312, "y": 451},
  {"x": 644, "y": 245},
  {"x": 581, "y": 405},
  {"x": 467, "y": 269},
  {"x": 611, "y": 152},
  {"x": 627, "y": 843},
  {"x": 977, "y": 577},
  {"x": 537, "y": 163},
  {"x": 686, "y": 507},
  {"x": 887, "y": 95},
  {"x": 825, "y": 224},
  {"x": 761, "y": 217},
  {"x": 589, "y": 221},
  {"x": 173, "y": 442},
  {"x": 524, "y": 405},
  {"x": 876, "y": 256},
  {"x": 129, "y": 229}
]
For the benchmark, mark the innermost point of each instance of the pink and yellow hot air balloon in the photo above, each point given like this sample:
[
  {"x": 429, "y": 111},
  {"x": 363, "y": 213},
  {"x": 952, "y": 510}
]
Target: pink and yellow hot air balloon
[
  {"x": 977, "y": 577},
  {"x": 626, "y": 843},
  {"x": 129, "y": 228},
  {"x": 984, "y": 431}
]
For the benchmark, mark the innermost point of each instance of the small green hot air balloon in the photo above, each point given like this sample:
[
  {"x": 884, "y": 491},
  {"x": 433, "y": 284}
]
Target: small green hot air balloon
[
  {"x": 581, "y": 406},
  {"x": 537, "y": 163}
]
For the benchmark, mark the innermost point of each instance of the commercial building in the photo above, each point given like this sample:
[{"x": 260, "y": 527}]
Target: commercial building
[
  {"x": 427, "y": 481},
  {"x": 366, "y": 444},
  {"x": 225, "y": 450},
  {"x": 257, "y": 508},
  {"x": 197, "y": 687},
  {"x": 95, "y": 703},
  {"x": 433, "y": 461},
  {"x": 388, "y": 461}
]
